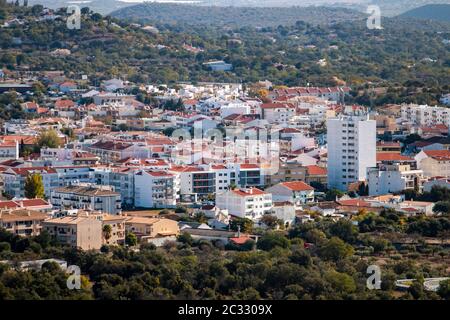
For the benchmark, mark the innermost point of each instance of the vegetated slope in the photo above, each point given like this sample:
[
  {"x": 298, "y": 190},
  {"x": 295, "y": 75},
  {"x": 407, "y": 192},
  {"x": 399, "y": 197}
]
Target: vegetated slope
[
  {"x": 100, "y": 6},
  {"x": 439, "y": 12},
  {"x": 234, "y": 16},
  {"x": 406, "y": 53}
]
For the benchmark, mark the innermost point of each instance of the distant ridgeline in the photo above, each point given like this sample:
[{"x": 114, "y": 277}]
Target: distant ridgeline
[
  {"x": 234, "y": 16},
  {"x": 439, "y": 12}
]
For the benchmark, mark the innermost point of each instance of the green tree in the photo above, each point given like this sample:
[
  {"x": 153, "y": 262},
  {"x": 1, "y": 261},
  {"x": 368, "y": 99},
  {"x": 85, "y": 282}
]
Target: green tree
[
  {"x": 131, "y": 239},
  {"x": 442, "y": 207},
  {"x": 246, "y": 225},
  {"x": 335, "y": 249},
  {"x": 444, "y": 289},
  {"x": 107, "y": 230},
  {"x": 201, "y": 217},
  {"x": 270, "y": 221},
  {"x": 301, "y": 257},
  {"x": 34, "y": 187},
  {"x": 416, "y": 289},
  {"x": 271, "y": 240},
  {"x": 5, "y": 247},
  {"x": 48, "y": 138},
  {"x": 341, "y": 282},
  {"x": 185, "y": 238},
  {"x": 331, "y": 195},
  {"x": 345, "y": 230}
]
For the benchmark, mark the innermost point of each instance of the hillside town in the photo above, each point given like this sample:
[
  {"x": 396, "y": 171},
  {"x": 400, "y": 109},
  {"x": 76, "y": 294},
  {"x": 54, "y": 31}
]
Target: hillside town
[
  {"x": 153, "y": 159},
  {"x": 214, "y": 152}
]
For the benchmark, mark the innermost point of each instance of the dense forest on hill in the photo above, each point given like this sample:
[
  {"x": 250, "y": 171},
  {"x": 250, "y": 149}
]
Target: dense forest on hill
[
  {"x": 234, "y": 16},
  {"x": 409, "y": 58}
]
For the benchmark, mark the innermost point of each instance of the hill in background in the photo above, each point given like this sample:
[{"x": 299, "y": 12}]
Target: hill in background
[
  {"x": 234, "y": 16},
  {"x": 389, "y": 8},
  {"x": 439, "y": 12}
]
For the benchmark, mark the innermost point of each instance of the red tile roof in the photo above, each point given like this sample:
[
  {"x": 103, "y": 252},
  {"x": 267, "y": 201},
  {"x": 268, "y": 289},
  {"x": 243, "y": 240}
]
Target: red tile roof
[
  {"x": 316, "y": 171},
  {"x": 28, "y": 140},
  {"x": 240, "y": 240},
  {"x": 392, "y": 156},
  {"x": 8, "y": 204},
  {"x": 276, "y": 105},
  {"x": 354, "y": 203},
  {"x": 438, "y": 154},
  {"x": 297, "y": 186},
  {"x": 249, "y": 166},
  {"x": 28, "y": 170},
  {"x": 64, "y": 104},
  {"x": 26, "y": 203},
  {"x": 185, "y": 169},
  {"x": 249, "y": 192},
  {"x": 159, "y": 174}
]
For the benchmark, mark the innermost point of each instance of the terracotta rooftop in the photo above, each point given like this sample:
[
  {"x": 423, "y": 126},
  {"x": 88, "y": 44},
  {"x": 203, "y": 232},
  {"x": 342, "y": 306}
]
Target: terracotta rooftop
[
  {"x": 438, "y": 154},
  {"x": 392, "y": 156},
  {"x": 316, "y": 170},
  {"x": 297, "y": 186},
  {"x": 248, "y": 192}
]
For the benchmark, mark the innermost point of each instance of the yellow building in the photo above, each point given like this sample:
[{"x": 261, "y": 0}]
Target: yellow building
[{"x": 151, "y": 227}]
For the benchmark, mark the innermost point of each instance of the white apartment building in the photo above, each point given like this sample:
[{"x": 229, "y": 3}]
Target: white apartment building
[
  {"x": 234, "y": 108},
  {"x": 250, "y": 203},
  {"x": 200, "y": 181},
  {"x": 121, "y": 179},
  {"x": 52, "y": 177},
  {"x": 154, "y": 189},
  {"x": 351, "y": 149},
  {"x": 424, "y": 115},
  {"x": 277, "y": 112},
  {"x": 93, "y": 198},
  {"x": 393, "y": 178},
  {"x": 9, "y": 150}
]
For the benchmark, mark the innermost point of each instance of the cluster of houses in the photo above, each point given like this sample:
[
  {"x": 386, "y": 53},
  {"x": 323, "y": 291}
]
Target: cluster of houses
[{"x": 229, "y": 154}]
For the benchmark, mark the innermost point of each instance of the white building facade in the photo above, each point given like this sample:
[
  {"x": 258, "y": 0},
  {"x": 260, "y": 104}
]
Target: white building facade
[
  {"x": 245, "y": 203},
  {"x": 154, "y": 189},
  {"x": 393, "y": 178},
  {"x": 351, "y": 150}
]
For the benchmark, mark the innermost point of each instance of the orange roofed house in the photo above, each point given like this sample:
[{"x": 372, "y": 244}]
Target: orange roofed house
[{"x": 295, "y": 192}]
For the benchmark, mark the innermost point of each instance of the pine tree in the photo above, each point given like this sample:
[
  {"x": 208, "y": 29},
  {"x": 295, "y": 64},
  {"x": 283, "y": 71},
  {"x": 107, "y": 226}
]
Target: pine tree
[{"x": 34, "y": 187}]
